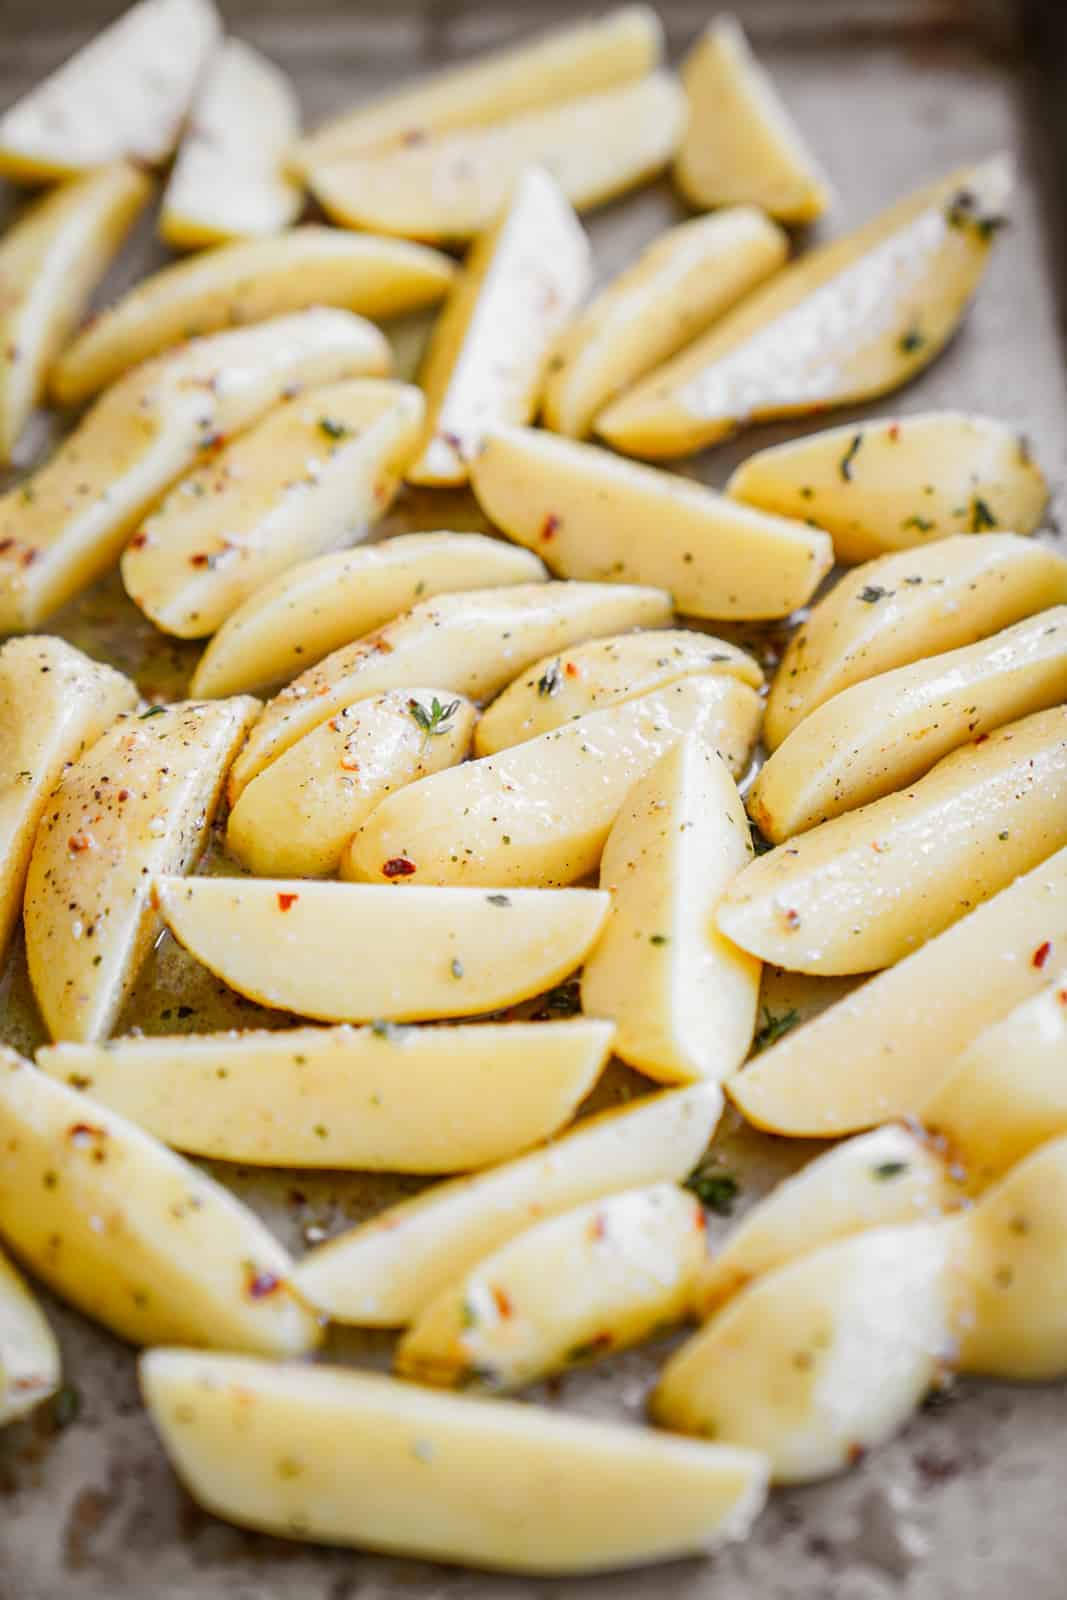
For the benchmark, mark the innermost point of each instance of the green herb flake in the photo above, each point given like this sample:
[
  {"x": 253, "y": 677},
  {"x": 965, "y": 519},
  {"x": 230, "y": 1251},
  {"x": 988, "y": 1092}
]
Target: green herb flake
[
  {"x": 981, "y": 515},
  {"x": 550, "y": 682},
  {"x": 760, "y": 845},
  {"x": 66, "y": 1406},
  {"x": 845, "y": 464},
  {"x": 332, "y": 428},
  {"x": 387, "y": 1030},
  {"x": 435, "y": 721},
  {"x": 774, "y": 1028},
  {"x": 871, "y": 593},
  {"x": 911, "y": 341},
  {"x": 659, "y": 938},
  {"x": 714, "y": 1189},
  {"x": 986, "y": 227},
  {"x": 498, "y": 899},
  {"x": 468, "y": 1315},
  {"x": 153, "y": 711},
  {"x": 889, "y": 1169},
  {"x": 923, "y": 524}
]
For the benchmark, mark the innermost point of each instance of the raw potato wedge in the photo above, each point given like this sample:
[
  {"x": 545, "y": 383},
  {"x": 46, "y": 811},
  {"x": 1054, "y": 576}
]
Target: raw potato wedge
[
  {"x": 123, "y": 96},
  {"x": 486, "y": 360},
  {"x": 140, "y": 802},
  {"x": 424, "y": 1100},
  {"x": 682, "y": 997},
  {"x": 345, "y": 952},
  {"x": 451, "y": 187},
  {"x": 904, "y": 607},
  {"x": 884, "y": 1049},
  {"x": 341, "y": 1457},
  {"x": 228, "y": 180},
  {"x": 595, "y": 1280},
  {"x": 847, "y": 322},
  {"x": 676, "y": 288},
  {"x": 875, "y": 737},
  {"x": 387, "y": 1271},
  {"x": 67, "y": 524},
  {"x": 900, "y": 483},
  {"x": 540, "y": 813},
  {"x": 54, "y": 702},
  {"x": 133, "y": 1234},
  {"x": 295, "y": 819},
  {"x": 51, "y": 260},
  {"x": 313, "y": 475},
  {"x": 29, "y": 1356}
]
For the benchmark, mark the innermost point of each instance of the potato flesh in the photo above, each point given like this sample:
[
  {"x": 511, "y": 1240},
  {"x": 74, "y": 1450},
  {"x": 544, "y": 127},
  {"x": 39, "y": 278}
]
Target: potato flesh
[{"x": 29, "y": 1356}]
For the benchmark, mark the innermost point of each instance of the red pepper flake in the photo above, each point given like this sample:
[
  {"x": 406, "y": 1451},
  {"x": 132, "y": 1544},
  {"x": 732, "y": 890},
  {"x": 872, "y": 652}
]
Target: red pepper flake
[
  {"x": 79, "y": 842},
  {"x": 263, "y": 1284},
  {"x": 1061, "y": 996},
  {"x": 598, "y": 1228},
  {"x": 287, "y": 900},
  {"x": 791, "y": 918},
  {"x": 700, "y": 1221},
  {"x": 82, "y": 1132},
  {"x": 894, "y": 432},
  {"x": 855, "y": 1454},
  {"x": 572, "y": 670},
  {"x": 549, "y": 526},
  {"x": 29, "y": 556},
  {"x": 502, "y": 1301},
  {"x": 139, "y": 540},
  {"x": 349, "y": 764},
  {"x": 398, "y": 867},
  {"x": 199, "y": 559},
  {"x": 123, "y": 794},
  {"x": 1041, "y": 954},
  {"x": 981, "y": 739},
  {"x": 6, "y": 545}
]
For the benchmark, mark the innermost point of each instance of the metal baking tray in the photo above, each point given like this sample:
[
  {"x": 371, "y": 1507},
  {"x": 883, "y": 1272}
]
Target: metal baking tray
[{"x": 967, "y": 1503}]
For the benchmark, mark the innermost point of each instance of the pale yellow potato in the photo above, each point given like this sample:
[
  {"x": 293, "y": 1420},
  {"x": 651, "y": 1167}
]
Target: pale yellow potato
[
  {"x": 296, "y": 818},
  {"x": 312, "y": 476},
  {"x": 385, "y": 1272},
  {"x": 877, "y": 736},
  {"x": 540, "y": 812},
  {"x": 51, "y": 260},
  {"x": 882, "y": 1051},
  {"x": 426, "y": 1100},
  {"x": 123, "y": 96},
  {"x": 581, "y": 1285},
  {"x": 682, "y": 997},
  {"x": 487, "y": 357},
  {"x": 476, "y": 642},
  {"x": 847, "y": 322},
  {"x": 905, "y": 606},
  {"x": 675, "y": 289},
  {"x": 354, "y": 1458},
  {"x": 899, "y": 483},
  {"x": 67, "y": 524},
  {"x": 451, "y": 186},
  {"x": 140, "y": 801},
  {"x": 29, "y": 1356}
]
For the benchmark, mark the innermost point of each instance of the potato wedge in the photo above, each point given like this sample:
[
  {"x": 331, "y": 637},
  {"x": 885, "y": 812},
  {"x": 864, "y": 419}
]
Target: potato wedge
[
  {"x": 590, "y": 515},
  {"x": 882, "y": 1051},
  {"x": 29, "y": 1356},
  {"x": 594, "y": 1280},
  {"x": 875, "y": 737},
  {"x": 847, "y": 322},
  {"x": 141, "y": 801},
  {"x": 540, "y": 813},
  {"x": 675, "y": 289},
  {"x": 133, "y": 1234},
  {"x": 295, "y": 819},
  {"x": 312, "y": 476},
  {"x": 899, "y": 483},
  {"x": 341, "y": 1457},
  {"x": 387, "y": 1271}
]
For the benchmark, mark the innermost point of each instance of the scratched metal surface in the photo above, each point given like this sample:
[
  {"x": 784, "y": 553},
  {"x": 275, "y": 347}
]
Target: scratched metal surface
[{"x": 967, "y": 1504}]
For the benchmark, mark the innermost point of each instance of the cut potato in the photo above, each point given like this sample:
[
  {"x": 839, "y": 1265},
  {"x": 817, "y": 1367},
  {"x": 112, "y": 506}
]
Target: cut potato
[
  {"x": 883, "y": 1050},
  {"x": 581, "y": 1285},
  {"x": 453, "y": 186},
  {"x": 140, "y": 802},
  {"x": 679, "y": 285},
  {"x": 897, "y": 483},
  {"x": 875, "y": 737},
  {"x": 123, "y": 96},
  {"x": 295, "y": 819},
  {"x": 849, "y": 321},
  {"x": 682, "y": 997},
  {"x": 29, "y": 1356},
  {"x": 313, "y": 475},
  {"x": 540, "y": 813},
  {"x": 387, "y": 1271},
  {"x": 590, "y": 515}
]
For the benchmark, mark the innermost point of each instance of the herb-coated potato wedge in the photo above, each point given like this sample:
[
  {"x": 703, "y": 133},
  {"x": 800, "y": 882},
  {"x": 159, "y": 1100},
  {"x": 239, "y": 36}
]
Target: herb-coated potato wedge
[
  {"x": 343, "y": 1457},
  {"x": 540, "y": 812},
  {"x": 683, "y": 998},
  {"x": 453, "y": 186},
  {"x": 903, "y": 607},
  {"x": 346, "y": 952},
  {"x": 314, "y": 474},
  {"x": 849, "y": 321},
  {"x": 133, "y": 1234},
  {"x": 29, "y": 1356},
  {"x": 140, "y": 801},
  {"x": 54, "y": 702},
  {"x": 487, "y": 357},
  {"x": 123, "y": 96},
  {"x": 475, "y": 641},
  {"x": 295, "y": 819},
  {"x": 68, "y": 523},
  {"x": 684, "y": 280},
  {"x": 383, "y": 1098},
  {"x": 898, "y": 483},
  {"x": 592, "y": 1281},
  {"x": 883, "y": 1050},
  {"x": 877, "y": 736},
  {"x": 387, "y": 1271},
  {"x": 51, "y": 260}
]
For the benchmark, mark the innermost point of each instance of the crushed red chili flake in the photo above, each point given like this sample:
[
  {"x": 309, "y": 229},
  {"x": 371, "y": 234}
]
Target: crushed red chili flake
[
  {"x": 263, "y": 1284},
  {"x": 550, "y": 526},
  {"x": 81, "y": 1131},
  {"x": 200, "y": 559},
  {"x": 139, "y": 540},
  {"x": 29, "y": 556},
  {"x": 856, "y": 1453},
  {"x": 6, "y": 545},
  {"x": 79, "y": 842},
  {"x": 981, "y": 739},
  {"x": 572, "y": 670},
  {"x": 398, "y": 867},
  {"x": 894, "y": 432},
  {"x": 287, "y": 900},
  {"x": 598, "y": 1227},
  {"x": 1041, "y": 954},
  {"x": 502, "y": 1301},
  {"x": 791, "y": 918}
]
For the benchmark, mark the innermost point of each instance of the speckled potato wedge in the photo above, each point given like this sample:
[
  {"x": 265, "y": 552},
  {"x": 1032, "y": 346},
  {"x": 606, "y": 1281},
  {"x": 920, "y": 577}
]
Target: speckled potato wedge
[{"x": 29, "y": 1356}]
